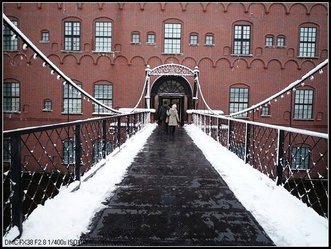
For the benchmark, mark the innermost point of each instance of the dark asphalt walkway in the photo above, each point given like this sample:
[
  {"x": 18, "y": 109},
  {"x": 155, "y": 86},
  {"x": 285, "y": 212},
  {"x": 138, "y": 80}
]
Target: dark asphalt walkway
[{"x": 172, "y": 196}]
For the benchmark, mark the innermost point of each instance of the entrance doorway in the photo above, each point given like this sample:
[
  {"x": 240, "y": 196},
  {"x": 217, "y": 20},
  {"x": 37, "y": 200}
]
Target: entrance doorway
[
  {"x": 169, "y": 100},
  {"x": 172, "y": 90}
]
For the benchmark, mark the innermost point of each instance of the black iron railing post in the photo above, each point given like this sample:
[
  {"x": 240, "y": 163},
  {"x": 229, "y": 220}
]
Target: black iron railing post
[
  {"x": 280, "y": 157},
  {"x": 119, "y": 131},
  {"x": 135, "y": 122},
  {"x": 104, "y": 138},
  {"x": 78, "y": 152},
  {"x": 230, "y": 129},
  {"x": 211, "y": 126},
  {"x": 16, "y": 171},
  {"x": 247, "y": 142},
  {"x": 128, "y": 133},
  {"x": 219, "y": 129}
]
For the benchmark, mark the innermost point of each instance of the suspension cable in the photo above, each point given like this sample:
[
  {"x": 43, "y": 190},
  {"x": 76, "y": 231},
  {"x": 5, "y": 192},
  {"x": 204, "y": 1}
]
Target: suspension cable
[
  {"x": 288, "y": 88},
  {"x": 27, "y": 41},
  {"x": 203, "y": 99}
]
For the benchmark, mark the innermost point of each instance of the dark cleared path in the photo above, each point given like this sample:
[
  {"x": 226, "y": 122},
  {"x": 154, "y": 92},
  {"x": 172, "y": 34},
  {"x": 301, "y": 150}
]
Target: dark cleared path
[{"x": 172, "y": 196}]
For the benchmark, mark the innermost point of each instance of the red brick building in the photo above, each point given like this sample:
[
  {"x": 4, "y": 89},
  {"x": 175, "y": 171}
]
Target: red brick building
[{"x": 245, "y": 52}]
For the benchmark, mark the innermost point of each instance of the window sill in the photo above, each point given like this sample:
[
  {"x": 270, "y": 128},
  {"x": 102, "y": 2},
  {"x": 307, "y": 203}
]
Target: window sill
[
  {"x": 307, "y": 57},
  {"x": 12, "y": 112},
  {"x": 178, "y": 54},
  {"x": 64, "y": 113},
  {"x": 69, "y": 51},
  {"x": 265, "y": 116},
  {"x": 297, "y": 169},
  {"x": 194, "y": 45},
  {"x": 135, "y": 43},
  {"x": 303, "y": 119},
  {"x": 102, "y": 113},
  {"x": 44, "y": 42},
  {"x": 242, "y": 55},
  {"x": 11, "y": 51},
  {"x": 150, "y": 44},
  {"x": 102, "y": 52},
  {"x": 45, "y": 110},
  {"x": 209, "y": 45}
]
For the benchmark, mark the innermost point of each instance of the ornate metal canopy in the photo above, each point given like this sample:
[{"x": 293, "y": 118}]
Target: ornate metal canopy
[{"x": 171, "y": 69}]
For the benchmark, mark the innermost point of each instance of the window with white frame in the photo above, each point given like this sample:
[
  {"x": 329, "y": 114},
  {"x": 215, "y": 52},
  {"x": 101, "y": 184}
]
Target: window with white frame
[
  {"x": 209, "y": 40},
  {"x": 135, "y": 37},
  {"x": 303, "y": 104},
  {"x": 172, "y": 38},
  {"x": 193, "y": 39},
  {"x": 242, "y": 39},
  {"x": 238, "y": 99},
  {"x": 11, "y": 97},
  {"x": 307, "y": 42},
  {"x": 151, "y": 38},
  {"x": 47, "y": 105},
  {"x": 103, "y": 93},
  {"x": 10, "y": 41},
  {"x": 269, "y": 41},
  {"x": 300, "y": 157},
  {"x": 98, "y": 148},
  {"x": 280, "y": 41},
  {"x": 69, "y": 156},
  {"x": 6, "y": 150},
  {"x": 103, "y": 36},
  {"x": 44, "y": 36},
  {"x": 265, "y": 111},
  {"x": 72, "y": 36},
  {"x": 72, "y": 100}
]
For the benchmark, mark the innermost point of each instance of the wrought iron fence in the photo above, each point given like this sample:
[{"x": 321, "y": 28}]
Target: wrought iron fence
[
  {"x": 296, "y": 159},
  {"x": 38, "y": 161}
]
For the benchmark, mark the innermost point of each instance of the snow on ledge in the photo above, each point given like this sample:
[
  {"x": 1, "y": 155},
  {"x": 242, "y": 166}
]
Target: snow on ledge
[
  {"x": 129, "y": 110},
  {"x": 217, "y": 112}
]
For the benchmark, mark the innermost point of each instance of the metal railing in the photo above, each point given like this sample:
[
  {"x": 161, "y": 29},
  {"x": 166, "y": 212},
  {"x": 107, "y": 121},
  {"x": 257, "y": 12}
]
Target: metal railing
[
  {"x": 296, "y": 159},
  {"x": 39, "y": 160}
]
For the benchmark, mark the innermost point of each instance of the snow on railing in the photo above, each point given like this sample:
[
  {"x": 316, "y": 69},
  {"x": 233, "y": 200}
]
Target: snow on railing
[
  {"x": 296, "y": 159},
  {"x": 285, "y": 90},
  {"x": 54, "y": 69},
  {"x": 39, "y": 160}
]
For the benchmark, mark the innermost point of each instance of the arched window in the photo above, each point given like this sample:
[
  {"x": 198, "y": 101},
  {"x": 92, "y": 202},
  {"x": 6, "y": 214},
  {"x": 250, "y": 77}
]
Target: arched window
[
  {"x": 303, "y": 103},
  {"x": 307, "y": 40},
  {"x": 47, "y": 105},
  {"x": 280, "y": 43},
  {"x": 209, "y": 39},
  {"x": 103, "y": 92},
  {"x": 300, "y": 156},
  {"x": 172, "y": 37},
  {"x": 11, "y": 96},
  {"x": 151, "y": 40},
  {"x": 242, "y": 38},
  {"x": 10, "y": 41},
  {"x": 135, "y": 37},
  {"x": 269, "y": 41},
  {"x": 239, "y": 95},
  {"x": 44, "y": 36},
  {"x": 72, "y": 35},
  {"x": 72, "y": 99},
  {"x": 194, "y": 39},
  {"x": 103, "y": 35}
]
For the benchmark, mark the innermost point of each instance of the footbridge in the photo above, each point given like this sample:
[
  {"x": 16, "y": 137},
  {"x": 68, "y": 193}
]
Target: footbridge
[{"x": 171, "y": 194}]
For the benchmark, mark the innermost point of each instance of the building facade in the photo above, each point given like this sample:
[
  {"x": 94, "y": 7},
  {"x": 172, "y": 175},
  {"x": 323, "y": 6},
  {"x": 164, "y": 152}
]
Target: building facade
[{"x": 245, "y": 52}]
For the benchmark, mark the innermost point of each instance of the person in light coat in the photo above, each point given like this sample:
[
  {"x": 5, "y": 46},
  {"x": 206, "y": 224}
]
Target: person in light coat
[{"x": 173, "y": 119}]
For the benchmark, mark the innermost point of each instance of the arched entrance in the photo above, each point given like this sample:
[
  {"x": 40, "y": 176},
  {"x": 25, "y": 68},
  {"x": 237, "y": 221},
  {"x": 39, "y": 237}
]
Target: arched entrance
[{"x": 170, "y": 89}]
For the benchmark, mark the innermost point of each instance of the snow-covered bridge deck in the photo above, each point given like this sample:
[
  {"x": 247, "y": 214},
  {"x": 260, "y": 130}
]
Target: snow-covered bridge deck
[{"x": 172, "y": 195}]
